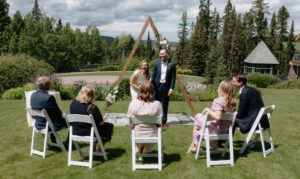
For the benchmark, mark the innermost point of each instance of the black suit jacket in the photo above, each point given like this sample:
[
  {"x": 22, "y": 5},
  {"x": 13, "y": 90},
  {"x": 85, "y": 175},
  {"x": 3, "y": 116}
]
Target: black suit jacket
[
  {"x": 42, "y": 100},
  {"x": 250, "y": 102},
  {"x": 170, "y": 76}
]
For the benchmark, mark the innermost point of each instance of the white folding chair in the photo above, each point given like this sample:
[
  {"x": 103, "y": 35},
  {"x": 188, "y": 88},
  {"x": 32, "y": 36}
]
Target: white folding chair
[
  {"x": 256, "y": 128},
  {"x": 45, "y": 132},
  {"x": 94, "y": 136},
  {"x": 134, "y": 120},
  {"x": 226, "y": 116}
]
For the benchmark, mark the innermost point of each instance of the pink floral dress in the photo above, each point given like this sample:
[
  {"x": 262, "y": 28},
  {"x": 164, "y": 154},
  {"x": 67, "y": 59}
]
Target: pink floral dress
[{"x": 215, "y": 126}]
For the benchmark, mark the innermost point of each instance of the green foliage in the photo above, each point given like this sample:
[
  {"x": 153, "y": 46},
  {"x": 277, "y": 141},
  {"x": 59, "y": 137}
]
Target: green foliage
[
  {"x": 29, "y": 87},
  {"x": 184, "y": 71},
  {"x": 176, "y": 96},
  {"x": 17, "y": 70},
  {"x": 68, "y": 93},
  {"x": 124, "y": 89},
  {"x": 261, "y": 80},
  {"x": 100, "y": 93},
  {"x": 182, "y": 45},
  {"x": 208, "y": 94},
  {"x": 19, "y": 92},
  {"x": 134, "y": 64},
  {"x": 109, "y": 68},
  {"x": 290, "y": 84},
  {"x": 14, "y": 93}
]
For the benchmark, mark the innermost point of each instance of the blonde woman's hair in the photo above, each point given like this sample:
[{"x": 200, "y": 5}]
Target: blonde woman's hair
[
  {"x": 86, "y": 94},
  {"x": 227, "y": 91},
  {"x": 146, "y": 92},
  {"x": 147, "y": 72}
]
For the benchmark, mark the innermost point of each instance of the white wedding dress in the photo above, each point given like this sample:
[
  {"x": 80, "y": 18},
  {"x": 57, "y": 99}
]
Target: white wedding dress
[{"x": 140, "y": 79}]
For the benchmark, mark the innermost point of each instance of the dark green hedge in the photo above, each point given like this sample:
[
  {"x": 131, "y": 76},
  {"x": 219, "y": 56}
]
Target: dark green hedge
[{"x": 17, "y": 70}]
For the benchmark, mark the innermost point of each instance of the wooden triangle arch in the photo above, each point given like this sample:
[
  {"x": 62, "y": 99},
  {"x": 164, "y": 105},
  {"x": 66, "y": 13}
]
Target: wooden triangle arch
[{"x": 132, "y": 53}]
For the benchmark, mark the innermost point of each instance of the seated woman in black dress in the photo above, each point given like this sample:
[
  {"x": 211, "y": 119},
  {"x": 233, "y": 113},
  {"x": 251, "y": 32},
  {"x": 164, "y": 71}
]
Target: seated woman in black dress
[{"x": 83, "y": 105}]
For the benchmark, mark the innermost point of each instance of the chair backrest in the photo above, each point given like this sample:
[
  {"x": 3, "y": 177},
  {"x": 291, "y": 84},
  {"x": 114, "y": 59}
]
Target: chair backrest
[
  {"x": 145, "y": 119},
  {"x": 89, "y": 119},
  {"x": 226, "y": 116},
  {"x": 263, "y": 111},
  {"x": 229, "y": 116},
  {"x": 27, "y": 100},
  {"x": 42, "y": 113},
  {"x": 78, "y": 118}
]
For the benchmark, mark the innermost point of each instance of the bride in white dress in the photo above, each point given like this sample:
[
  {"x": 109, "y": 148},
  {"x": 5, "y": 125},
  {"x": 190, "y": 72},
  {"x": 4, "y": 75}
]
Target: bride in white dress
[{"x": 138, "y": 77}]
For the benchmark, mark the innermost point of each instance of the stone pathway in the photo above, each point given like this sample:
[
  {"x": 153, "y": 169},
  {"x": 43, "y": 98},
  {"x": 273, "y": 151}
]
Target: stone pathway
[{"x": 120, "y": 119}]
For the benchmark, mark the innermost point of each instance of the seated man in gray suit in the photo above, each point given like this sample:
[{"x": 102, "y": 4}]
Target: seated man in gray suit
[
  {"x": 250, "y": 102},
  {"x": 41, "y": 99}
]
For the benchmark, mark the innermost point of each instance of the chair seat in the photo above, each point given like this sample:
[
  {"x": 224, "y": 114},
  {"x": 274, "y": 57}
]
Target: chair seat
[
  {"x": 82, "y": 138},
  {"x": 140, "y": 140}
]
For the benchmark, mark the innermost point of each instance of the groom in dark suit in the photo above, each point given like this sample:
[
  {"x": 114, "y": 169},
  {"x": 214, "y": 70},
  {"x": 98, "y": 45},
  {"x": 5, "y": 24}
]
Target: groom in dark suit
[
  {"x": 250, "y": 102},
  {"x": 163, "y": 78}
]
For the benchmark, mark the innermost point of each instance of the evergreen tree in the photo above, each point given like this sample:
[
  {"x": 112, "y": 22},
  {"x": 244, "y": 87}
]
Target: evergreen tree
[
  {"x": 115, "y": 51},
  {"x": 199, "y": 43},
  {"x": 214, "y": 54},
  {"x": 221, "y": 71},
  {"x": 4, "y": 24},
  {"x": 16, "y": 26},
  {"x": 181, "y": 47},
  {"x": 272, "y": 33},
  {"x": 149, "y": 49},
  {"x": 290, "y": 48},
  {"x": 59, "y": 26},
  {"x": 97, "y": 47},
  {"x": 237, "y": 48},
  {"x": 249, "y": 32},
  {"x": 227, "y": 34},
  {"x": 36, "y": 12},
  {"x": 17, "y": 23},
  {"x": 31, "y": 40},
  {"x": 258, "y": 10},
  {"x": 282, "y": 17}
]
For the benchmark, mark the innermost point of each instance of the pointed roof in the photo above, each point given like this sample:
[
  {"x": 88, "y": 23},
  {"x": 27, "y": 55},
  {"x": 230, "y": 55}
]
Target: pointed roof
[{"x": 261, "y": 55}]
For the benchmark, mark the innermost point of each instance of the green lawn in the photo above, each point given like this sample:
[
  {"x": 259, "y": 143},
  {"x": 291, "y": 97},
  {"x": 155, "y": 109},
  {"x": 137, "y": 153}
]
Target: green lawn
[{"x": 15, "y": 161}]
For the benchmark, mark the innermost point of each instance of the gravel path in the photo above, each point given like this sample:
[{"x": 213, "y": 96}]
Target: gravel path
[{"x": 69, "y": 80}]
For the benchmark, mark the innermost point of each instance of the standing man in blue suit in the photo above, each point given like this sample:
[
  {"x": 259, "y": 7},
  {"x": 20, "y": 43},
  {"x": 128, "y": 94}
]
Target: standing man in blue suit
[
  {"x": 163, "y": 78},
  {"x": 250, "y": 103}
]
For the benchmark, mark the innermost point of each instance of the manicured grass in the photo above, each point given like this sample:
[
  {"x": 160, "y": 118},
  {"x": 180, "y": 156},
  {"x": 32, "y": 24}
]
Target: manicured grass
[{"x": 15, "y": 161}]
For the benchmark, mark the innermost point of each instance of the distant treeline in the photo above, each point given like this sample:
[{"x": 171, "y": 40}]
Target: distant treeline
[
  {"x": 51, "y": 41},
  {"x": 216, "y": 47},
  {"x": 213, "y": 46}
]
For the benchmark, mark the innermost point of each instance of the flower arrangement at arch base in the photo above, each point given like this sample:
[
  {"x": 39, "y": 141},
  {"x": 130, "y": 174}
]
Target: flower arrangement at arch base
[{"x": 111, "y": 97}]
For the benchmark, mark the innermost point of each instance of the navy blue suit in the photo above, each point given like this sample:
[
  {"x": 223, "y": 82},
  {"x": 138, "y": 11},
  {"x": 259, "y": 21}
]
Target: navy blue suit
[
  {"x": 250, "y": 102},
  {"x": 42, "y": 100},
  {"x": 162, "y": 89}
]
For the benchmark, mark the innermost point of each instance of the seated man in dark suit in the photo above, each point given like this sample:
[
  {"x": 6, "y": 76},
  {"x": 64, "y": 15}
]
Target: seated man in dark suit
[
  {"x": 42, "y": 100},
  {"x": 250, "y": 102}
]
